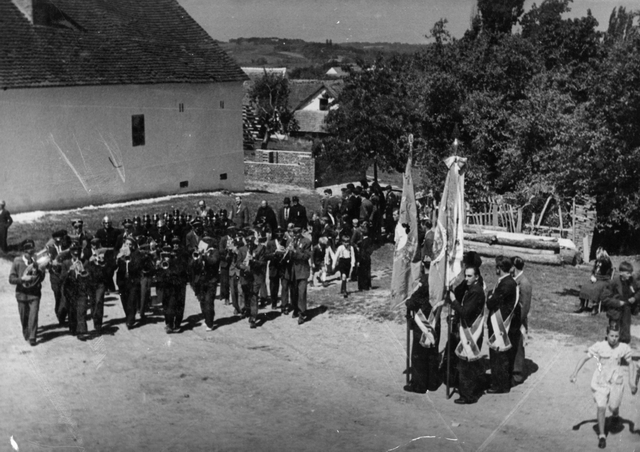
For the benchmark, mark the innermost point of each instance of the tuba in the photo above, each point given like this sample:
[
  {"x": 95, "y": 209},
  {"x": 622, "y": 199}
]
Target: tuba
[{"x": 36, "y": 268}]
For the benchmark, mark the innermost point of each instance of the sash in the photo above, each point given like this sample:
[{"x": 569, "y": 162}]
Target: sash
[
  {"x": 427, "y": 326},
  {"x": 500, "y": 341},
  {"x": 468, "y": 348}
]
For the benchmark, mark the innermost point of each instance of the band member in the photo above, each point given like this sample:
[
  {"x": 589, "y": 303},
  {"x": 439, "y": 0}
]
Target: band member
[
  {"x": 108, "y": 236},
  {"x": 148, "y": 251},
  {"x": 75, "y": 291},
  {"x": 363, "y": 258},
  {"x": 247, "y": 300},
  {"x": 203, "y": 271},
  {"x": 129, "y": 266},
  {"x": 319, "y": 258},
  {"x": 58, "y": 247},
  {"x": 299, "y": 273},
  {"x": 504, "y": 327},
  {"x": 275, "y": 249},
  {"x": 467, "y": 300},
  {"x": 298, "y": 214},
  {"x": 240, "y": 214},
  {"x": 99, "y": 273},
  {"x": 258, "y": 266},
  {"x": 202, "y": 211},
  {"x": 193, "y": 237},
  {"x": 237, "y": 254},
  {"x": 225, "y": 246},
  {"x": 27, "y": 277}
]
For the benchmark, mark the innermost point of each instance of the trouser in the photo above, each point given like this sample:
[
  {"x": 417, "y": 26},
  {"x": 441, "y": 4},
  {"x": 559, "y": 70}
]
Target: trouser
[
  {"x": 206, "y": 296},
  {"x": 173, "y": 305},
  {"x": 274, "y": 287},
  {"x": 500, "y": 376},
  {"x": 96, "y": 298},
  {"x": 425, "y": 365},
  {"x": 76, "y": 300},
  {"x": 234, "y": 288},
  {"x": 289, "y": 293},
  {"x": 60, "y": 303},
  {"x": 299, "y": 302},
  {"x": 3, "y": 238},
  {"x": 28, "y": 311},
  {"x": 468, "y": 374},
  {"x": 364, "y": 274},
  {"x": 224, "y": 283},
  {"x": 254, "y": 295},
  {"x": 130, "y": 296},
  {"x": 518, "y": 362},
  {"x": 145, "y": 295},
  {"x": 354, "y": 273}
]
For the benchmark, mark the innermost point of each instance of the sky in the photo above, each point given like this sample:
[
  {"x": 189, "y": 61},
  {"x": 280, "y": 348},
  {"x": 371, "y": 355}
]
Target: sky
[{"x": 354, "y": 20}]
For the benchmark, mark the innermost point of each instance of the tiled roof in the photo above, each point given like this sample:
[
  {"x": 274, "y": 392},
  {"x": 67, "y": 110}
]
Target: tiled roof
[
  {"x": 119, "y": 42},
  {"x": 302, "y": 91}
]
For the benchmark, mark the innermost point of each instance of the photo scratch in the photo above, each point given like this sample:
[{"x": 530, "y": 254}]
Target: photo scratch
[
  {"x": 68, "y": 162},
  {"x": 116, "y": 161}
]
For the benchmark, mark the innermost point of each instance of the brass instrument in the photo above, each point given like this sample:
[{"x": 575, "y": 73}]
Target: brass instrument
[
  {"x": 78, "y": 268},
  {"x": 36, "y": 268},
  {"x": 164, "y": 264}
]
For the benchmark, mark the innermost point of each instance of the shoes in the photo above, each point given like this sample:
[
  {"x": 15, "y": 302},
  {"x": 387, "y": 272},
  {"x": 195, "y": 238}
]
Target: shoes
[
  {"x": 243, "y": 314},
  {"x": 168, "y": 330},
  {"x": 602, "y": 442},
  {"x": 594, "y": 311},
  {"x": 301, "y": 320},
  {"x": 210, "y": 328},
  {"x": 274, "y": 305},
  {"x": 32, "y": 342},
  {"x": 410, "y": 388},
  {"x": 226, "y": 302},
  {"x": 295, "y": 315},
  {"x": 515, "y": 382},
  {"x": 346, "y": 294},
  {"x": 286, "y": 310},
  {"x": 580, "y": 310},
  {"x": 462, "y": 401},
  {"x": 252, "y": 324},
  {"x": 496, "y": 391}
]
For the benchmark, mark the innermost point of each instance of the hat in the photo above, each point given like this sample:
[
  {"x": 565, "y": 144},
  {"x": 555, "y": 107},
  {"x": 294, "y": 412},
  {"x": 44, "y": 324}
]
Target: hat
[
  {"x": 166, "y": 250},
  {"x": 351, "y": 186},
  {"x": 59, "y": 234},
  {"x": 28, "y": 245},
  {"x": 297, "y": 230},
  {"x": 388, "y": 187},
  {"x": 286, "y": 200},
  {"x": 201, "y": 203},
  {"x": 358, "y": 190},
  {"x": 127, "y": 223},
  {"x": 76, "y": 223},
  {"x": 95, "y": 241},
  {"x": 175, "y": 241},
  {"x": 295, "y": 199}
]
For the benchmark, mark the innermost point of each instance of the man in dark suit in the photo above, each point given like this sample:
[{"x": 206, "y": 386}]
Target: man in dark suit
[
  {"x": 391, "y": 203},
  {"x": 299, "y": 214},
  {"x": 284, "y": 214},
  {"x": 526, "y": 291},
  {"x": 504, "y": 325},
  {"x": 5, "y": 222},
  {"x": 331, "y": 204},
  {"x": 468, "y": 303},
  {"x": 265, "y": 216},
  {"x": 299, "y": 273},
  {"x": 240, "y": 214},
  {"x": 28, "y": 290},
  {"x": 58, "y": 247},
  {"x": 621, "y": 298},
  {"x": 274, "y": 253}
]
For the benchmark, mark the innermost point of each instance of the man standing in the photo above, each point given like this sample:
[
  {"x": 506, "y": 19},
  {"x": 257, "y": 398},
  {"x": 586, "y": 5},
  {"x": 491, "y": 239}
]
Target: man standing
[
  {"x": 300, "y": 271},
  {"x": 391, "y": 204},
  {"x": 284, "y": 214},
  {"x": 467, "y": 301},
  {"x": 202, "y": 211},
  {"x": 525, "y": 305},
  {"x": 57, "y": 247},
  {"x": 128, "y": 273},
  {"x": 620, "y": 297},
  {"x": 331, "y": 204},
  {"x": 27, "y": 278},
  {"x": 298, "y": 214},
  {"x": 504, "y": 327},
  {"x": 240, "y": 214},
  {"x": 204, "y": 280},
  {"x": 273, "y": 253},
  {"x": 265, "y": 216},
  {"x": 5, "y": 222}
]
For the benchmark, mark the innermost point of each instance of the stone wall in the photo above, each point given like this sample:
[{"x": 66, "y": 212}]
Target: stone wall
[{"x": 279, "y": 167}]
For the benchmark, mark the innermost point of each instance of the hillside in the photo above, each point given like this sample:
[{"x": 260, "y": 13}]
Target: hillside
[{"x": 297, "y": 54}]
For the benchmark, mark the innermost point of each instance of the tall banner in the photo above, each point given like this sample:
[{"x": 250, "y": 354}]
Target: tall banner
[
  {"x": 406, "y": 257},
  {"x": 448, "y": 241}
]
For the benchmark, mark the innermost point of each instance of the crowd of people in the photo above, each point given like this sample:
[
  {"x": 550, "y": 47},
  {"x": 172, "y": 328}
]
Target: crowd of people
[{"x": 247, "y": 261}]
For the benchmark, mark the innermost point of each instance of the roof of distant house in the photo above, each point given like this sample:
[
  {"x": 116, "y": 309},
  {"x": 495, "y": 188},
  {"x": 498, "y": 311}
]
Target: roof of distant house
[
  {"x": 302, "y": 91},
  {"x": 97, "y": 42}
]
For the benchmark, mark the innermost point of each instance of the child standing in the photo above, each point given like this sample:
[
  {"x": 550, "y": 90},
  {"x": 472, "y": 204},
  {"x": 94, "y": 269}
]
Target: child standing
[
  {"x": 607, "y": 381},
  {"x": 345, "y": 261}
]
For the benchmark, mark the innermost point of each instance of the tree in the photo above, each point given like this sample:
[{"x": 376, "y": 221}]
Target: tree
[
  {"x": 270, "y": 98},
  {"x": 499, "y": 16}
]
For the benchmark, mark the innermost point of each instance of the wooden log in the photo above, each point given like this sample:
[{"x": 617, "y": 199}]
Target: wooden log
[
  {"x": 530, "y": 243},
  {"x": 509, "y": 250},
  {"x": 493, "y": 251}
]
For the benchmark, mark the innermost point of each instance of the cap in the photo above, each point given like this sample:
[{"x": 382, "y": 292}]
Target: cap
[
  {"x": 286, "y": 200},
  {"x": 59, "y": 234},
  {"x": 297, "y": 230},
  {"x": 77, "y": 223},
  {"x": 295, "y": 199},
  {"x": 175, "y": 241},
  {"x": 95, "y": 241},
  {"x": 28, "y": 245},
  {"x": 388, "y": 187}
]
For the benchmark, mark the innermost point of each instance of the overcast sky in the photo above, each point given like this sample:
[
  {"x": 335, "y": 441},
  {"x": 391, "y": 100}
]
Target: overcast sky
[{"x": 353, "y": 20}]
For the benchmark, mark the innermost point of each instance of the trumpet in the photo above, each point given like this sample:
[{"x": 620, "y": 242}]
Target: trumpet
[{"x": 78, "y": 268}]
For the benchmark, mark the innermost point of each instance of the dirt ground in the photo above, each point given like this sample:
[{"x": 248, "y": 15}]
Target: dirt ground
[{"x": 333, "y": 384}]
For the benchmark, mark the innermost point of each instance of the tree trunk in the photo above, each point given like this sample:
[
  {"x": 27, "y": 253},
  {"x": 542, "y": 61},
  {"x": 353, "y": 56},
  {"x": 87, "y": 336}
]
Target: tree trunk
[
  {"x": 375, "y": 170},
  {"x": 265, "y": 140}
]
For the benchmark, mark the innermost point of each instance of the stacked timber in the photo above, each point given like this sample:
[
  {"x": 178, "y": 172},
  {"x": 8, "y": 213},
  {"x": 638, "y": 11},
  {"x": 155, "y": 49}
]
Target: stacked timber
[{"x": 531, "y": 248}]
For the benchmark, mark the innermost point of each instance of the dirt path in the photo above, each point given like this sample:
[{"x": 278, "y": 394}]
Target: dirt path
[{"x": 333, "y": 384}]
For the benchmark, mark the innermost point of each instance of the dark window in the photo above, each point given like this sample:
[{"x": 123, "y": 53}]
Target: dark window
[
  {"x": 324, "y": 104},
  {"x": 221, "y": 104},
  {"x": 272, "y": 157},
  {"x": 223, "y": 176},
  {"x": 181, "y": 108},
  {"x": 184, "y": 184},
  {"x": 137, "y": 130}
]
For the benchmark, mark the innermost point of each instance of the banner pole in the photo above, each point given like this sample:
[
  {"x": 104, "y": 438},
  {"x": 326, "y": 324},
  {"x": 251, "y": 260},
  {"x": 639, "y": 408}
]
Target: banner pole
[
  {"x": 445, "y": 293},
  {"x": 408, "y": 370}
]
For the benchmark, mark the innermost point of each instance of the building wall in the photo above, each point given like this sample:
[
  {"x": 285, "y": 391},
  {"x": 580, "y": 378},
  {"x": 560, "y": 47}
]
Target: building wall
[
  {"x": 69, "y": 147},
  {"x": 288, "y": 168}
]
